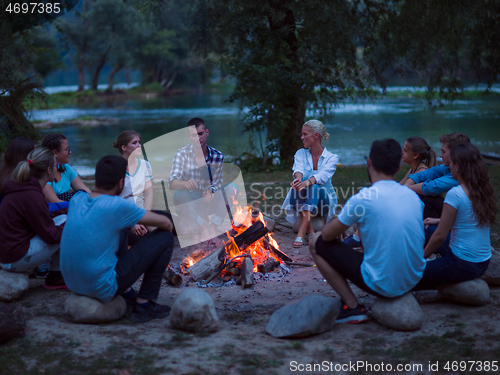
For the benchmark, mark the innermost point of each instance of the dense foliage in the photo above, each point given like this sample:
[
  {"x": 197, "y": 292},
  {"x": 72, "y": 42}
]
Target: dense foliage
[{"x": 297, "y": 59}]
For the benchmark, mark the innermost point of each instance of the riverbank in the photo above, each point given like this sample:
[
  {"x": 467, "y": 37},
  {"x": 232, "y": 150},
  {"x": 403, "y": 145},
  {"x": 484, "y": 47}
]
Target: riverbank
[{"x": 153, "y": 91}]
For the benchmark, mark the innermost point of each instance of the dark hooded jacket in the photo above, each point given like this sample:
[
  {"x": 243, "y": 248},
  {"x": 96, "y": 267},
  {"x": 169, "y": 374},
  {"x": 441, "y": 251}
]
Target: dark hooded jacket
[{"x": 24, "y": 213}]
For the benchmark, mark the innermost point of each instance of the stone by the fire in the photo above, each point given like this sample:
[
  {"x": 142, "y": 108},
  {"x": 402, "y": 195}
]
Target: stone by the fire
[
  {"x": 473, "y": 292},
  {"x": 492, "y": 274},
  {"x": 82, "y": 309},
  {"x": 12, "y": 285},
  {"x": 311, "y": 315},
  {"x": 194, "y": 311},
  {"x": 401, "y": 313},
  {"x": 317, "y": 222}
]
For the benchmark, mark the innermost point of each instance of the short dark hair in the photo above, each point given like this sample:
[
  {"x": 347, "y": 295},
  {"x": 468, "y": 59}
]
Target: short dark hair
[
  {"x": 454, "y": 139},
  {"x": 110, "y": 169},
  {"x": 196, "y": 122},
  {"x": 385, "y": 155}
]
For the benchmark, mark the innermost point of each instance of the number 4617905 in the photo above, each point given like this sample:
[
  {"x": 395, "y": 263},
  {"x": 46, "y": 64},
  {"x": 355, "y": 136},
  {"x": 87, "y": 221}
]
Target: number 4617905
[{"x": 33, "y": 8}]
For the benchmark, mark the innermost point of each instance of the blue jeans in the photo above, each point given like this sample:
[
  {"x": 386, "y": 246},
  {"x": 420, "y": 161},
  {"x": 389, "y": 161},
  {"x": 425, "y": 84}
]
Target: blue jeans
[
  {"x": 449, "y": 269},
  {"x": 191, "y": 207},
  {"x": 313, "y": 198}
]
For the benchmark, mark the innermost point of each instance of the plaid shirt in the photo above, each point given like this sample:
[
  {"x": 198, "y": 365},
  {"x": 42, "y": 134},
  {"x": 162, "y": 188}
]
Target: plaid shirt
[{"x": 185, "y": 167}]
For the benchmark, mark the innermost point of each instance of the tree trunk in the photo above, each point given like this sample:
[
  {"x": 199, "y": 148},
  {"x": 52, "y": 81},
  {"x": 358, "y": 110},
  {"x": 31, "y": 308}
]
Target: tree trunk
[
  {"x": 290, "y": 137},
  {"x": 81, "y": 72},
  {"x": 111, "y": 77},
  {"x": 97, "y": 72}
]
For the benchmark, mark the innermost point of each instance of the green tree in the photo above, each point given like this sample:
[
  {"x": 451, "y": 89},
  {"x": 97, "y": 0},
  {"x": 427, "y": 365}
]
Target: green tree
[
  {"x": 287, "y": 57},
  {"x": 26, "y": 54},
  {"x": 291, "y": 57},
  {"x": 442, "y": 42}
]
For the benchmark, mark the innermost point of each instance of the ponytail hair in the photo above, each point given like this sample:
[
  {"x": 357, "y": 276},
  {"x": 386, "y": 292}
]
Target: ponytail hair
[
  {"x": 318, "y": 127},
  {"x": 35, "y": 166},
  {"x": 124, "y": 139},
  {"x": 419, "y": 146}
]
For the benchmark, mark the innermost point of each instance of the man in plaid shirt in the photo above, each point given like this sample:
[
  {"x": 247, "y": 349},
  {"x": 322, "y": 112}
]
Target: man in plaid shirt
[{"x": 196, "y": 175}]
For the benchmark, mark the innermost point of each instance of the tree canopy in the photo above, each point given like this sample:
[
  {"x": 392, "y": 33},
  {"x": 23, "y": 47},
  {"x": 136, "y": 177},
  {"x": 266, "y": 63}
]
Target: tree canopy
[{"x": 297, "y": 59}]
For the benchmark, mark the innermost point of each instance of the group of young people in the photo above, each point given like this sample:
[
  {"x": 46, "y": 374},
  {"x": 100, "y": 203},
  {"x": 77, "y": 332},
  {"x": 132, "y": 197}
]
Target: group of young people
[
  {"x": 48, "y": 213},
  {"x": 400, "y": 226},
  {"x": 100, "y": 242}
]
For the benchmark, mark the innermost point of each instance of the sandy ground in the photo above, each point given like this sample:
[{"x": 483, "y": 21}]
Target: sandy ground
[{"x": 241, "y": 345}]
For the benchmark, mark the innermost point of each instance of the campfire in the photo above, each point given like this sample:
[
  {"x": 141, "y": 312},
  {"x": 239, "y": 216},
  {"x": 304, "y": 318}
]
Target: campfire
[{"x": 250, "y": 248}]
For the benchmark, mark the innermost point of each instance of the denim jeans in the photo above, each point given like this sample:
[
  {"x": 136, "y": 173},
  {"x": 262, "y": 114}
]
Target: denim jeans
[
  {"x": 313, "y": 198},
  {"x": 449, "y": 269},
  {"x": 191, "y": 207},
  {"x": 150, "y": 256}
]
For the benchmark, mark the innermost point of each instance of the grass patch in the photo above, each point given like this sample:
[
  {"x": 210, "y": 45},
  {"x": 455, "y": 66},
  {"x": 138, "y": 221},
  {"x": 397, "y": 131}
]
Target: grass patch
[
  {"x": 451, "y": 346},
  {"x": 51, "y": 359}
]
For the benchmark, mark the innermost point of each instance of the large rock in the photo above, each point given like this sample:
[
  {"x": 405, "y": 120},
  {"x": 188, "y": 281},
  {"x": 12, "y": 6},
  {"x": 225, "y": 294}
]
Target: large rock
[
  {"x": 473, "y": 292},
  {"x": 83, "y": 309},
  {"x": 401, "y": 313},
  {"x": 317, "y": 222},
  {"x": 12, "y": 285},
  {"x": 492, "y": 274},
  {"x": 194, "y": 311},
  {"x": 311, "y": 315}
]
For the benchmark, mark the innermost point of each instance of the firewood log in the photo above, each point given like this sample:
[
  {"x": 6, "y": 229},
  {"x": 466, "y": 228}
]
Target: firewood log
[
  {"x": 268, "y": 265},
  {"x": 247, "y": 272},
  {"x": 208, "y": 265},
  {"x": 172, "y": 278}
]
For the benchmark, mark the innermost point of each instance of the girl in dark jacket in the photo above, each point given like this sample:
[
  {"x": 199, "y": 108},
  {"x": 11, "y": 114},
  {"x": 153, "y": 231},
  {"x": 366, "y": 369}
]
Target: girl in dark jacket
[{"x": 27, "y": 233}]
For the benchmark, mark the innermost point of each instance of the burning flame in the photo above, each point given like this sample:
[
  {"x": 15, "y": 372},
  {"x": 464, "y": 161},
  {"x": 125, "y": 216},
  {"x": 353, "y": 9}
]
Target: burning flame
[{"x": 243, "y": 218}]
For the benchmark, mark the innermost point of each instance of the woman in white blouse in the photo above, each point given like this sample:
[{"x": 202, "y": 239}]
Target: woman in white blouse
[{"x": 312, "y": 192}]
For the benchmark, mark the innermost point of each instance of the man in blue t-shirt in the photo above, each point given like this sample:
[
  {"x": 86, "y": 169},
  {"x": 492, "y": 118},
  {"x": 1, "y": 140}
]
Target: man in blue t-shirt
[
  {"x": 389, "y": 218},
  {"x": 95, "y": 259}
]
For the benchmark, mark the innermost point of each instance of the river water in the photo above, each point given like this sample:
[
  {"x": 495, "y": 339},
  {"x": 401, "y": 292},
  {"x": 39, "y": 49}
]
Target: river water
[{"x": 353, "y": 127}]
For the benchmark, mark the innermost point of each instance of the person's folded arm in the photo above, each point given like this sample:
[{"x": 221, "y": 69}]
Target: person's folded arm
[
  {"x": 333, "y": 229},
  {"x": 444, "y": 226},
  {"x": 155, "y": 220},
  {"x": 50, "y": 195},
  {"x": 439, "y": 185},
  {"x": 78, "y": 184},
  {"x": 327, "y": 170}
]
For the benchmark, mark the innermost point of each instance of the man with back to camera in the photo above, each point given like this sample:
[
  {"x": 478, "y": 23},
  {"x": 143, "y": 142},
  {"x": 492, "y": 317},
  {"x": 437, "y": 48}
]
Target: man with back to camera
[
  {"x": 95, "y": 259},
  {"x": 389, "y": 218},
  {"x": 196, "y": 175}
]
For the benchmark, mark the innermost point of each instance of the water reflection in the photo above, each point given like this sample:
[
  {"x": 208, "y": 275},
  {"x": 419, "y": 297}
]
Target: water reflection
[{"x": 353, "y": 127}]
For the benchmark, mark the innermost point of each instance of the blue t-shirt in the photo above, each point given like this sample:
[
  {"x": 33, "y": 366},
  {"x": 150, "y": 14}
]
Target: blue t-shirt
[
  {"x": 67, "y": 177},
  {"x": 468, "y": 241},
  {"x": 389, "y": 218},
  {"x": 90, "y": 241}
]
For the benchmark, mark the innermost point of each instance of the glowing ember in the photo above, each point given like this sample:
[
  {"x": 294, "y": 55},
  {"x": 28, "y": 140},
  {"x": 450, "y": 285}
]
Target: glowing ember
[{"x": 260, "y": 251}]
